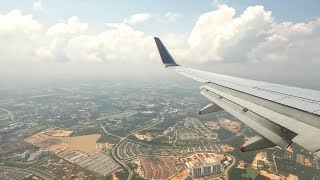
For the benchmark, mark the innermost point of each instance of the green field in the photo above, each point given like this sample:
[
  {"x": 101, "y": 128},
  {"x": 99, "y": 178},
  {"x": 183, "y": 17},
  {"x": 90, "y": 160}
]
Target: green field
[{"x": 251, "y": 173}]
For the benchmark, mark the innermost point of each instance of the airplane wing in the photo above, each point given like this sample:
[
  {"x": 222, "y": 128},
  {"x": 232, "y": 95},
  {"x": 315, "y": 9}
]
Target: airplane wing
[{"x": 280, "y": 114}]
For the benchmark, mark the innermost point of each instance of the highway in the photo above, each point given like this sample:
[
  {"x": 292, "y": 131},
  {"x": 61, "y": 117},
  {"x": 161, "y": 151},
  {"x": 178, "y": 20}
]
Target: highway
[
  {"x": 8, "y": 112},
  {"x": 123, "y": 164},
  {"x": 105, "y": 131},
  {"x": 5, "y": 110},
  {"x": 114, "y": 152},
  {"x": 42, "y": 174},
  {"x": 37, "y": 172},
  {"x": 147, "y": 126}
]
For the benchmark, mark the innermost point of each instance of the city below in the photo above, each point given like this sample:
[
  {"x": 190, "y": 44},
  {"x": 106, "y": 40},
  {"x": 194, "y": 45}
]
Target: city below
[{"x": 123, "y": 130}]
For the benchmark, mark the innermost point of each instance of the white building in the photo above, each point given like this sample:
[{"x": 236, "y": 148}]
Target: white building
[
  {"x": 17, "y": 157},
  {"x": 23, "y": 157},
  {"x": 205, "y": 170},
  {"x": 38, "y": 155}
]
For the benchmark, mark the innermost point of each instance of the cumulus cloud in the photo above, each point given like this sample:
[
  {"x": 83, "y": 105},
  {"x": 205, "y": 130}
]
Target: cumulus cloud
[
  {"x": 37, "y": 6},
  {"x": 121, "y": 44},
  {"x": 219, "y": 35},
  {"x": 172, "y": 16},
  {"x": 57, "y": 38},
  {"x": 71, "y": 27},
  {"x": 253, "y": 36},
  {"x": 137, "y": 18},
  {"x": 19, "y": 35},
  {"x": 289, "y": 42},
  {"x": 22, "y": 38}
]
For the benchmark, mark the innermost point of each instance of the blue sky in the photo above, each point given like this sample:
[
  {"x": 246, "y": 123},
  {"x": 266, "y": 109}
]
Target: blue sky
[{"x": 98, "y": 12}]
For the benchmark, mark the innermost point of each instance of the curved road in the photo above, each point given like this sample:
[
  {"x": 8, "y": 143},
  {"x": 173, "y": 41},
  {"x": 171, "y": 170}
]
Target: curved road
[
  {"x": 114, "y": 151},
  {"x": 115, "y": 157},
  {"x": 228, "y": 168}
]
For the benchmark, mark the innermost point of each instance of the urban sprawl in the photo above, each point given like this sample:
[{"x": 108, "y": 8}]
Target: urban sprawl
[{"x": 132, "y": 131}]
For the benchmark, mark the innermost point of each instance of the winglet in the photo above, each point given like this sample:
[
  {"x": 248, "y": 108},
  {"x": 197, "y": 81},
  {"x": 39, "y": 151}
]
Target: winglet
[{"x": 165, "y": 55}]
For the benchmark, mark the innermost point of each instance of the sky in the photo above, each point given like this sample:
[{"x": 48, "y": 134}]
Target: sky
[{"x": 266, "y": 40}]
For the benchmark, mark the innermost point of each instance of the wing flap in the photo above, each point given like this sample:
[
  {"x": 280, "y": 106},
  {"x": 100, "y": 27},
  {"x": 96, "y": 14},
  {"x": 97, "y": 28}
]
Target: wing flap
[
  {"x": 264, "y": 127},
  {"x": 304, "y": 131},
  {"x": 256, "y": 143}
]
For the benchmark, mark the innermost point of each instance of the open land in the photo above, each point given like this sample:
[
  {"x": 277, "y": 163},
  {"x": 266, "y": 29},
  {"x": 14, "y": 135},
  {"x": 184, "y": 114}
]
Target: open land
[
  {"x": 158, "y": 168},
  {"x": 58, "y": 142}
]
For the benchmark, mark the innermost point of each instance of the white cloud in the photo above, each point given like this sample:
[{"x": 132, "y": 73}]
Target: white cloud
[
  {"x": 58, "y": 37},
  {"x": 24, "y": 39},
  {"x": 219, "y": 35},
  {"x": 37, "y": 6},
  {"x": 172, "y": 17},
  {"x": 72, "y": 27},
  {"x": 254, "y": 36},
  {"x": 289, "y": 42},
  {"x": 121, "y": 44},
  {"x": 137, "y": 18},
  {"x": 19, "y": 35}
]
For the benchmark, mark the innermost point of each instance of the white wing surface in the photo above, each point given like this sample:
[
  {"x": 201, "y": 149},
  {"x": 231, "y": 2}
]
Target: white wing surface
[{"x": 280, "y": 114}]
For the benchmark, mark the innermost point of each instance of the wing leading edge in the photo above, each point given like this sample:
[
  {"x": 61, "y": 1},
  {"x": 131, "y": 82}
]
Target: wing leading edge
[{"x": 280, "y": 114}]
